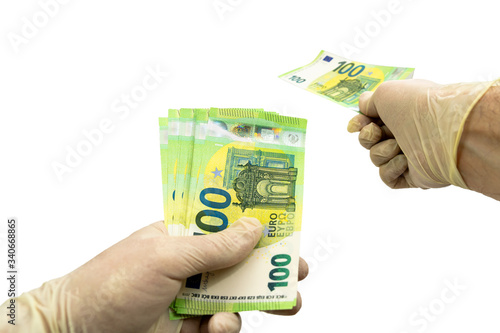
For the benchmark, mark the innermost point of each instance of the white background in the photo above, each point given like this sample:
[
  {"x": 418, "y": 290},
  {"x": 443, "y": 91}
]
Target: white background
[{"x": 397, "y": 247}]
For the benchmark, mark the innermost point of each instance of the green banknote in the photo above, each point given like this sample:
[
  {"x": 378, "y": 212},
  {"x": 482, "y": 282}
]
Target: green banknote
[
  {"x": 185, "y": 147},
  {"x": 163, "y": 122},
  {"x": 201, "y": 123},
  {"x": 252, "y": 164},
  {"x": 172, "y": 160},
  {"x": 217, "y": 166},
  {"x": 199, "y": 135},
  {"x": 342, "y": 80}
]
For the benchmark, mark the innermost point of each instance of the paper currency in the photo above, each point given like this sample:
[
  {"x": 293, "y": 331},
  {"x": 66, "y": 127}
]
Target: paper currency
[
  {"x": 342, "y": 80},
  {"x": 225, "y": 164}
]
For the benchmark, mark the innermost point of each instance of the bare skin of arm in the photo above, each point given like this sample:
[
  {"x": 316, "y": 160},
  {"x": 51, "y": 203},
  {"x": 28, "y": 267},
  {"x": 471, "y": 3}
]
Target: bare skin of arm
[
  {"x": 423, "y": 134},
  {"x": 479, "y": 150}
]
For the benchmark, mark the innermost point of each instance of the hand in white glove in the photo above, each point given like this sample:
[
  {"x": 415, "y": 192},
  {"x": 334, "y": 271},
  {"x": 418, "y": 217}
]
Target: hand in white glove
[
  {"x": 129, "y": 287},
  {"x": 413, "y": 130}
]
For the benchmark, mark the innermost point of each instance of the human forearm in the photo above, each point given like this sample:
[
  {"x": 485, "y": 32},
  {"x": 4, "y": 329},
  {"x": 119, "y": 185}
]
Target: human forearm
[
  {"x": 447, "y": 134},
  {"x": 478, "y": 155}
]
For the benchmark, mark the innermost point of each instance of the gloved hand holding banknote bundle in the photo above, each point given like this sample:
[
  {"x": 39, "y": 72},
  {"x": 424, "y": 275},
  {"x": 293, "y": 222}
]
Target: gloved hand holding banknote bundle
[
  {"x": 222, "y": 164},
  {"x": 234, "y": 175}
]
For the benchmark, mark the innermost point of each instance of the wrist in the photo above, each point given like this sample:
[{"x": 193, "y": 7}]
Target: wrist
[{"x": 478, "y": 158}]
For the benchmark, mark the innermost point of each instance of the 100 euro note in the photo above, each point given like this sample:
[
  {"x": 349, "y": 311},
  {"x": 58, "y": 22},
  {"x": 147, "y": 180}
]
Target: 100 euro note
[
  {"x": 163, "y": 122},
  {"x": 185, "y": 146},
  {"x": 253, "y": 165},
  {"x": 200, "y": 121},
  {"x": 200, "y": 132},
  {"x": 342, "y": 80},
  {"x": 171, "y": 158}
]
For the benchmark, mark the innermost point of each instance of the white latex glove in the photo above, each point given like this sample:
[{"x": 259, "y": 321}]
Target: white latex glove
[
  {"x": 129, "y": 287},
  {"x": 413, "y": 129}
]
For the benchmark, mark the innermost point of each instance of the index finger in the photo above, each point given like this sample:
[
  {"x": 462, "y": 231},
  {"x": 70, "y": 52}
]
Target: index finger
[{"x": 303, "y": 269}]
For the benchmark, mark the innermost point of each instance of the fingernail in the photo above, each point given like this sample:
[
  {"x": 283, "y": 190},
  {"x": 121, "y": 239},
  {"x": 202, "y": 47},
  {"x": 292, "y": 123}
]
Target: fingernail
[
  {"x": 247, "y": 224},
  {"x": 353, "y": 126},
  {"x": 224, "y": 322},
  {"x": 362, "y": 98}
]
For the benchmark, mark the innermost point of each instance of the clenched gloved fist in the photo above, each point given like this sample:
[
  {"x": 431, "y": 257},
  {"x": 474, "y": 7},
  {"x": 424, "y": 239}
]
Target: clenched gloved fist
[{"x": 413, "y": 129}]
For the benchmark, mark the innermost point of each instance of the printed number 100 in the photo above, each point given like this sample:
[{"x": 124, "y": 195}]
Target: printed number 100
[
  {"x": 279, "y": 273},
  {"x": 297, "y": 79},
  {"x": 351, "y": 69}
]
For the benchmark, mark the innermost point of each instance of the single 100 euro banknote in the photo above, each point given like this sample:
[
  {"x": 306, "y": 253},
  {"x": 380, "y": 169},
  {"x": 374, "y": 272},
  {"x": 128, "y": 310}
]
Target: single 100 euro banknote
[
  {"x": 342, "y": 80},
  {"x": 251, "y": 164}
]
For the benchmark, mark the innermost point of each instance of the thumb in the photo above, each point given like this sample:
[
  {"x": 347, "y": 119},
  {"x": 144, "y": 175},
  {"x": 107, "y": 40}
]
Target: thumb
[
  {"x": 198, "y": 254},
  {"x": 367, "y": 105}
]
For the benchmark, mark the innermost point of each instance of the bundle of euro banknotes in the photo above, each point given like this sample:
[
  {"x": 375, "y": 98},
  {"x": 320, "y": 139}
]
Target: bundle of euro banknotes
[
  {"x": 222, "y": 164},
  {"x": 343, "y": 80}
]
